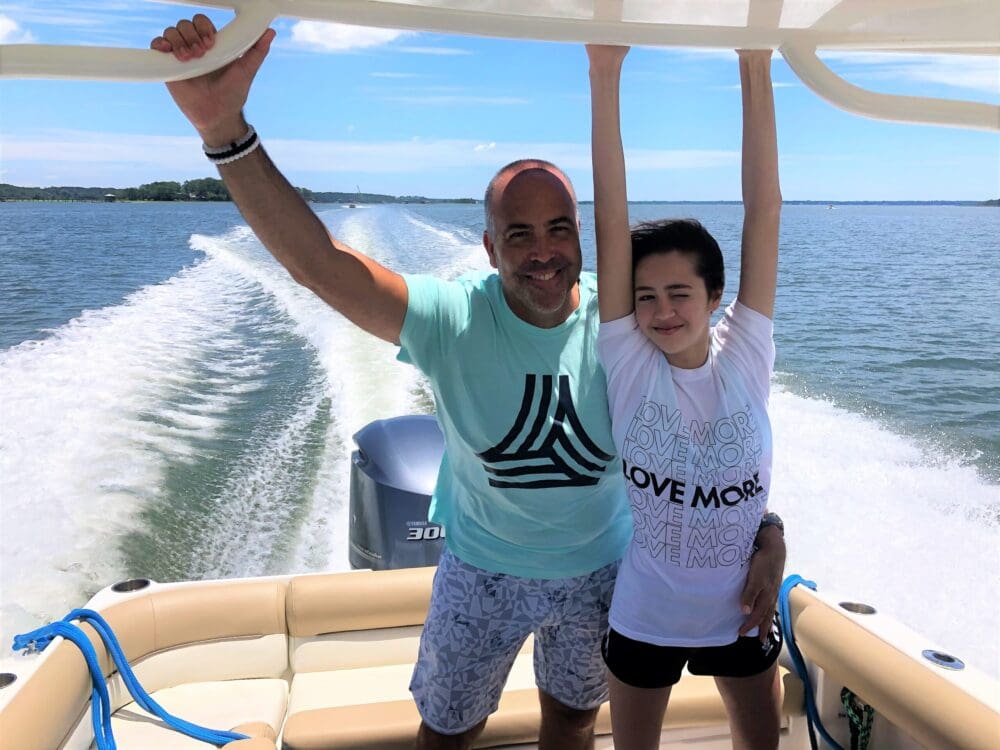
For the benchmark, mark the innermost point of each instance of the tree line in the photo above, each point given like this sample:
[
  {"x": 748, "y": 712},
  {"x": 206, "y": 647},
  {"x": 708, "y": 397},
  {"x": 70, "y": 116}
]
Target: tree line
[{"x": 204, "y": 189}]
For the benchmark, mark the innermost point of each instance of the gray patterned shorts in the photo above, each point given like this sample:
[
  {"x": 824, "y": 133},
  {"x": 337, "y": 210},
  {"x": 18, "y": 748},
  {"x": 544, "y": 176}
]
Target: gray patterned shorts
[{"x": 477, "y": 623}]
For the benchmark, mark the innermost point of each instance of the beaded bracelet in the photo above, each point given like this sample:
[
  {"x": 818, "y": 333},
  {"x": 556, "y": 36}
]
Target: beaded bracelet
[{"x": 235, "y": 150}]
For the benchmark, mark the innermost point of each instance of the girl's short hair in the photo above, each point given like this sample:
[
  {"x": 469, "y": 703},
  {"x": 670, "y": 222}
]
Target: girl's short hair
[{"x": 686, "y": 236}]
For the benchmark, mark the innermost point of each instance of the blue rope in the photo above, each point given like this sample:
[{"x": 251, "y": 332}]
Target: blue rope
[
  {"x": 100, "y": 702},
  {"x": 785, "y": 617},
  {"x": 100, "y": 708}
]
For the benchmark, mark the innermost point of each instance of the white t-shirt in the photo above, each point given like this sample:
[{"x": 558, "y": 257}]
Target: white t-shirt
[{"x": 695, "y": 447}]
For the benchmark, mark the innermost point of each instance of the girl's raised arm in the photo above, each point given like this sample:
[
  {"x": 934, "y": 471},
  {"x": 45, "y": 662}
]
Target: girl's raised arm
[
  {"x": 614, "y": 243},
  {"x": 761, "y": 193}
]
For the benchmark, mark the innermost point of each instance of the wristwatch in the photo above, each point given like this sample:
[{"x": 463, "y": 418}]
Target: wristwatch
[{"x": 772, "y": 519}]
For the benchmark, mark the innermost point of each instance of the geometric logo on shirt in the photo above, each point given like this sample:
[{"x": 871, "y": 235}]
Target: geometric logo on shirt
[{"x": 528, "y": 459}]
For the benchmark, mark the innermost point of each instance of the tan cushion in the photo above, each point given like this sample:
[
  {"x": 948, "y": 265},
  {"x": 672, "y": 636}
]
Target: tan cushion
[
  {"x": 358, "y": 649},
  {"x": 196, "y": 614},
  {"x": 694, "y": 702},
  {"x": 60, "y": 693},
  {"x": 214, "y": 661},
  {"x": 392, "y": 726},
  {"x": 363, "y": 599},
  {"x": 352, "y": 687},
  {"x": 254, "y": 729},
  {"x": 216, "y": 705},
  {"x": 256, "y": 743},
  {"x": 355, "y": 648}
]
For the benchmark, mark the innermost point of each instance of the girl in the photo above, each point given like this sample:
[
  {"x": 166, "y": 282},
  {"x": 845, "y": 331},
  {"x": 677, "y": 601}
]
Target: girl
[{"x": 688, "y": 407}]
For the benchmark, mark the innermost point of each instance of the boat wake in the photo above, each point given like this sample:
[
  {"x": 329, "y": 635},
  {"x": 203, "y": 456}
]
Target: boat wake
[
  {"x": 203, "y": 428},
  {"x": 868, "y": 513}
]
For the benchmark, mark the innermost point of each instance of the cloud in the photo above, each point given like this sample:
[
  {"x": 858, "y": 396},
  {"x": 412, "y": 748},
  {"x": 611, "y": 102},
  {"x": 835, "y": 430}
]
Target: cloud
[
  {"x": 456, "y": 99},
  {"x": 154, "y": 156},
  {"x": 111, "y": 23},
  {"x": 435, "y": 50},
  {"x": 12, "y": 33},
  {"x": 338, "y": 37},
  {"x": 774, "y": 84},
  {"x": 62, "y": 146},
  {"x": 700, "y": 52},
  {"x": 980, "y": 73}
]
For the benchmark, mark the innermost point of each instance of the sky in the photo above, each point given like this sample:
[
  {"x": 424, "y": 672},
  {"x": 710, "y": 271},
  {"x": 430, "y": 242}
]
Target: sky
[{"x": 349, "y": 108}]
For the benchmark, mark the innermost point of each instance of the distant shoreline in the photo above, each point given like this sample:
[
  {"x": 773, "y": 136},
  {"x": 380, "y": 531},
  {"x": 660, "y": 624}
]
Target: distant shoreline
[
  {"x": 993, "y": 203},
  {"x": 203, "y": 190},
  {"x": 211, "y": 190},
  {"x": 410, "y": 201},
  {"x": 787, "y": 202}
]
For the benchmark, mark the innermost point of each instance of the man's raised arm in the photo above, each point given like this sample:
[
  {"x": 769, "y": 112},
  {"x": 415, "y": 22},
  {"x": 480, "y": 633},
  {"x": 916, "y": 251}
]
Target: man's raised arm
[{"x": 362, "y": 290}]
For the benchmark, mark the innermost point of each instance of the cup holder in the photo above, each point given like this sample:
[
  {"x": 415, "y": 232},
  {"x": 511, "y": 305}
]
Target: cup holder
[
  {"x": 946, "y": 661},
  {"x": 133, "y": 584},
  {"x": 7, "y": 678},
  {"x": 858, "y": 608}
]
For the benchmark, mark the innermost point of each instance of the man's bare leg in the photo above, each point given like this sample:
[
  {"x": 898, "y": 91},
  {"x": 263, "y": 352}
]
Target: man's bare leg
[
  {"x": 565, "y": 728},
  {"x": 428, "y": 739}
]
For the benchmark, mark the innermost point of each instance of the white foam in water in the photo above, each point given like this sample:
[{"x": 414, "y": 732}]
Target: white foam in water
[
  {"x": 84, "y": 438},
  {"x": 253, "y": 506},
  {"x": 464, "y": 252},
  {"x": 367, "y": 382},
  {"x": 364, "y": 382},
  {"x": 873, "y": 519}
]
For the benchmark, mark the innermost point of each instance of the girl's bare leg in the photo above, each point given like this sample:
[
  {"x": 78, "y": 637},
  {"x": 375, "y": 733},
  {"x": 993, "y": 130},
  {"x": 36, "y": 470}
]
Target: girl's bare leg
[
  {"x": 754, "y": 708},
  {"x": 636, "y": 715}
]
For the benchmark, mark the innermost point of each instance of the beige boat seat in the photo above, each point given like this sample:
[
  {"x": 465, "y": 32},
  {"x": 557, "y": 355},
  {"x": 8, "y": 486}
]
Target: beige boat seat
[
  {"x": 214, "y": 653},
  {"x": 253, "y": 707},
  {"x": 353, "y": 640},
  {"x": 216, "y": 657},
  {"x": 694, "y": 703}
]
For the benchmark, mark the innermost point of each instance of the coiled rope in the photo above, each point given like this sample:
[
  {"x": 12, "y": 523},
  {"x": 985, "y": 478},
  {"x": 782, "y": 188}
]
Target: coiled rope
[
  {"x": 100, "y": 704},
  {"x": 785, "y": 617}
]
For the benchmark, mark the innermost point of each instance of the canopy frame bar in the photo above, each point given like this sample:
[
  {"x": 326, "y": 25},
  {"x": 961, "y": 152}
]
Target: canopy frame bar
[{"x": 798, "y": 46}]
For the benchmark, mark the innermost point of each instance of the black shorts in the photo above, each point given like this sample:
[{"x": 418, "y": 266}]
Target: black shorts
[{"x": 644, "y": 665}]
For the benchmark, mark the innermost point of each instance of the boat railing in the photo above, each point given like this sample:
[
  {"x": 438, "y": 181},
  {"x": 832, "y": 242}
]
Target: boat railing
[{"x": 955, "y": 27}]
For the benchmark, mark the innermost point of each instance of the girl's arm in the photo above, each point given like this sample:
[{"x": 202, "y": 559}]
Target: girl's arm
[
  {"x": 614, "y": 243},
  {"x": 761, "y": 194}
]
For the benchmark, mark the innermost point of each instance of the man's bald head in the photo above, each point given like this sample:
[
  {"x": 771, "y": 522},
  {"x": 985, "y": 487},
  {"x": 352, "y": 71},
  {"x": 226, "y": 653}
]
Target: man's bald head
[{"x": 506, "y": 174}]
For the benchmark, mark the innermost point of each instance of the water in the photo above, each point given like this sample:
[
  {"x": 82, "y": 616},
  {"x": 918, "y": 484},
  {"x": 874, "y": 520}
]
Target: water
[{"x": 174, "y": 406}]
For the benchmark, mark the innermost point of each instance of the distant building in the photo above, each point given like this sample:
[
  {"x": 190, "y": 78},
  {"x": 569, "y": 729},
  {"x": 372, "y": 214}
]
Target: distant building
[{"x": 110, "y": 197}]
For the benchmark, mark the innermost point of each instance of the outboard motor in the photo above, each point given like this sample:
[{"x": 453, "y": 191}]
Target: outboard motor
[{"x": 393, "y": 473}]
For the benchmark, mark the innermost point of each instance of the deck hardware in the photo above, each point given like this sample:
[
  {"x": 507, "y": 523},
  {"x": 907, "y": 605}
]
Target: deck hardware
[
  {"x": 133, "y": 584},
  {"x": 7, "y": 678},
  {"x": 947, "y": 661},
  {"x": 858, "y": 608}
]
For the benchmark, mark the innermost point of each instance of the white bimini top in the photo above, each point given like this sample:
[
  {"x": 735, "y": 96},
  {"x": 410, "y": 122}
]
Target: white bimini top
[{"x": 798, "y": 28}]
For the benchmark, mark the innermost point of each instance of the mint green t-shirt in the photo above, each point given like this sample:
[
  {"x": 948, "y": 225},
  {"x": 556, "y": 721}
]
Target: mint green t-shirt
[{"x": 530, "y": 482}]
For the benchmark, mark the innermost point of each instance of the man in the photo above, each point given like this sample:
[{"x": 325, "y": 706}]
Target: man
[{"x": 529, "y": 489}]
